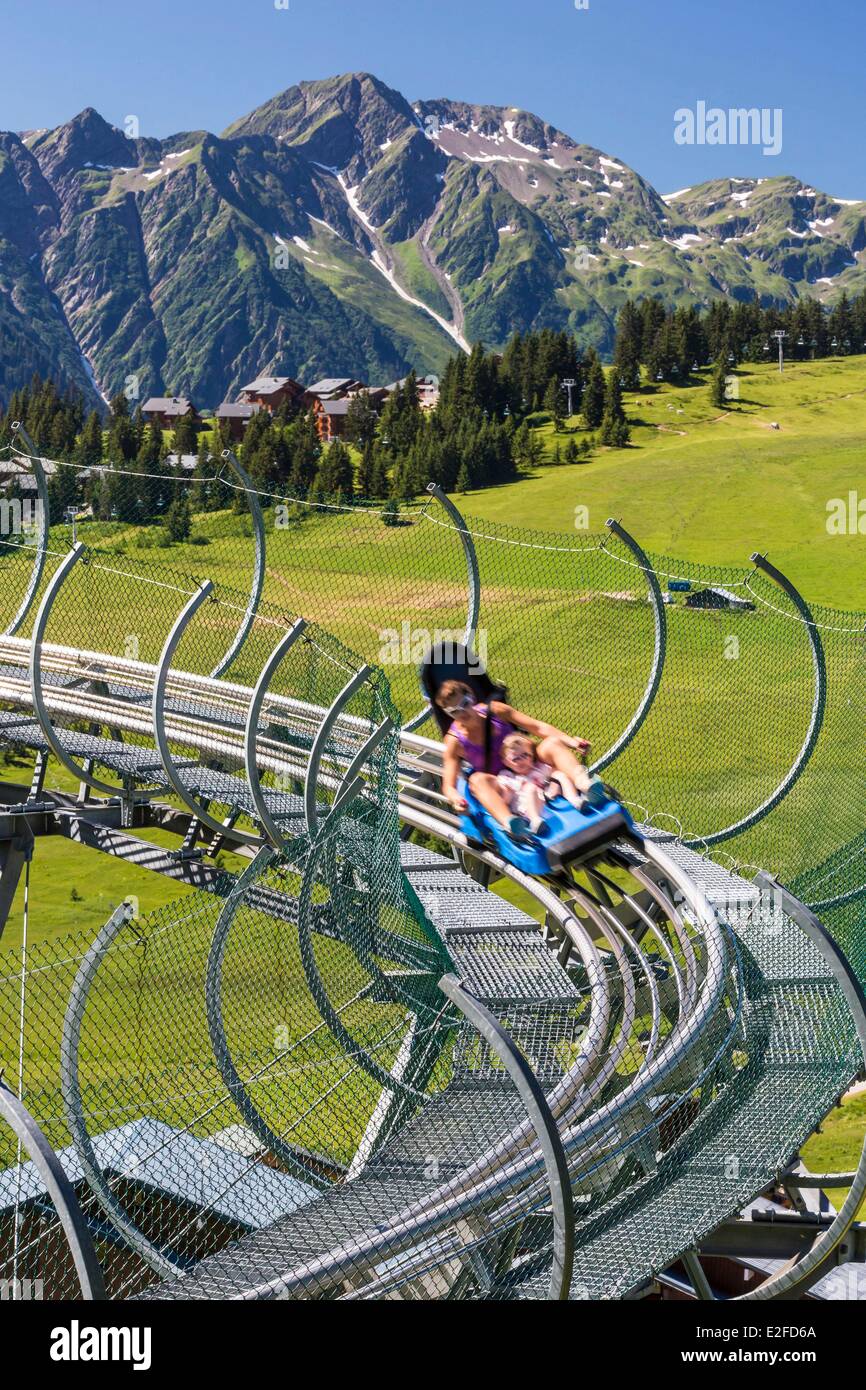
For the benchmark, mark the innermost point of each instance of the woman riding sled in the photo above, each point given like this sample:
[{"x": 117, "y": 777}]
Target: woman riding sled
[{"x": 469, "y": 740}]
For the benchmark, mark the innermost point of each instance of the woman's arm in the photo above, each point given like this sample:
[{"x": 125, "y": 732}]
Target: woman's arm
[
  {"x": 450, "y": 773},
  {"x": 537, "y": 727}
]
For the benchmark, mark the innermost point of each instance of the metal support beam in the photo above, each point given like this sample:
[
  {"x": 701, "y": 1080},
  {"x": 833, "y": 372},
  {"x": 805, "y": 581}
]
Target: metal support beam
[
  {"x": 695, "y": 1270},
  {"x": 161, "y": 1259},
  {"x": 14, "y": 854},
  {"x": 37, "y": 781},
  {"x": 353, "y": 783},
  {"x": 237, "y": 1088},
  {"x": 547, "y": 1134},
  {"x": 52, "y": 738},
  {"x": 320, "y": 741}
]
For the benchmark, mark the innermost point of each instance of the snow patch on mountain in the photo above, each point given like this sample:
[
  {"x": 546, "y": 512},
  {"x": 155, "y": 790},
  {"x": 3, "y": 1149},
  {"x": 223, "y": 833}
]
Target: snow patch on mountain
[
  {"x": 449, "y": 328},
  {"x": 327, "y": 226},
  {"x": 509, "y": 127},
  {"x": 682, "y": 243},
  {"x": 352, "y": 200},
  {"x": 91, "y": 376}
]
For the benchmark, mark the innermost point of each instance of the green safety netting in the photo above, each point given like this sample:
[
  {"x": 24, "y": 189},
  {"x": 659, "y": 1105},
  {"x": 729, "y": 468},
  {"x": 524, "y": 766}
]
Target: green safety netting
[{"x": 718, "y": 714}]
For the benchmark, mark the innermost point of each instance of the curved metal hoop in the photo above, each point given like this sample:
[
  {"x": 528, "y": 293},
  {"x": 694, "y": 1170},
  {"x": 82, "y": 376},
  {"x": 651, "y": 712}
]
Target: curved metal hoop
[
  {"x": 258, "y": 564},
  {"x": 158, "y": 713},
  {"x": 533, "y": 1097},
  {"x": 788, "y": 1278},
  {"x": 41, "y": 547},
  {"x": 40, "y": 709},
  {"x": 353, "y": 783},
  {"x": 660, "y": 621},
  {"x": 816, "y": 720},
  {"x": 269, "y": 824},
  {"x": 60, "y": 1190},
  {"x": 389, "y": 1081},
  {"x": 473, "y": 580},
  {"x": 235, "y": 1085},
  {"x": 164, "y": 1262},
  {"x": 322, "y": 735}
]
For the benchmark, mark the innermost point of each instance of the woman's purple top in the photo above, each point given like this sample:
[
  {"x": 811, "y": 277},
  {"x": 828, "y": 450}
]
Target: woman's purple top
[{"x": 473, "y": 753}]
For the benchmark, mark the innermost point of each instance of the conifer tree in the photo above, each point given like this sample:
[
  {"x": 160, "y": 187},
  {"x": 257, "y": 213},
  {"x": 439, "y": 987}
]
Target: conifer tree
[
  {"x": 554, "y": 404},
  {"x": 361, "y": 420},
  {"x": 178, "y": 519},
  {"x": 719, "y": 383},
  {"x": 364, "y": 482},
  {"x": 185, "y": 439},
  {"x": 627, "y": 351},
  {"x": 594, "y": 395},
  {"x": 614, "y": 426},
  {"x": 335, "y": 478}
]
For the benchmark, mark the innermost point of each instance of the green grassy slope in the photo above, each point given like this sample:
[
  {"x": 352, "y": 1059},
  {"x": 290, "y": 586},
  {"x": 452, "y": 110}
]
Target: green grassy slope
[
  {"x": 704, "y": 485},
  {"x": 713, "y": 486}
]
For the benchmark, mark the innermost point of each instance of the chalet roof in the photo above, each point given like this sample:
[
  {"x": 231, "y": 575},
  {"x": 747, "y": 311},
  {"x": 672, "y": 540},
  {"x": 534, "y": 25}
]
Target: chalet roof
[
  {"x": 167, "y": 405},
  {"x": 336, "y": 407},
  {"x": 237, "y": 410},
  {"x": 22, "y": 473},
  {"x": 424, "y": 383},
  {"x": 331, "y": 384},
  {"x": 269, "y": 385}
]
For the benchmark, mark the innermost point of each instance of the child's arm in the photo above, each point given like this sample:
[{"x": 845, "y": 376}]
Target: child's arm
[{"x": 537, "y": 727}]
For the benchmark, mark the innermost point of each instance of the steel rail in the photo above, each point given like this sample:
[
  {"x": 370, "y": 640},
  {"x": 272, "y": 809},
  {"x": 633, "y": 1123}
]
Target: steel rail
[
  {"x": 813, "y": 732},
  {"x": 37, "y": 695},
  {"x": 162, "y": 1260},
  {"x": 251, "y": 762},
  {"x": 547, "y": 1134},
  {"x": 214, "y": 1007},
  {"x": 351, "y": 688}
]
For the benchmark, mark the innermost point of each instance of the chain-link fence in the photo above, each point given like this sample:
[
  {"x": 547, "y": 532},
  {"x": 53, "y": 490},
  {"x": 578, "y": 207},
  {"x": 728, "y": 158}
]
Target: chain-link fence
[{"x": 271, "y": 1089}]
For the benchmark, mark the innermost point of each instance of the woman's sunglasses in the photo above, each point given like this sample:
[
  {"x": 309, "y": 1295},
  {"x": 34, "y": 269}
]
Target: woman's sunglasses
[{"x": 466, "y": 703}]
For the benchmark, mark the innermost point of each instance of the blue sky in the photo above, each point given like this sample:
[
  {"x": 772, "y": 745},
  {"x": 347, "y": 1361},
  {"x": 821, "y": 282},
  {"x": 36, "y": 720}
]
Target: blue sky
[{"x": 612, "y": 76}]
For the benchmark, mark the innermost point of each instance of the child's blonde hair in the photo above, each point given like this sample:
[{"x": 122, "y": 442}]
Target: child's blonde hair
[{"x": 512, "y": 741}]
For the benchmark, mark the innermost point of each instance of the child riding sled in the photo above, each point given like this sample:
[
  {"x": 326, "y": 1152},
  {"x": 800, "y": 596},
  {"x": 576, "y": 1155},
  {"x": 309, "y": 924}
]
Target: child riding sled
[{"x": 470, "y": 740}]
